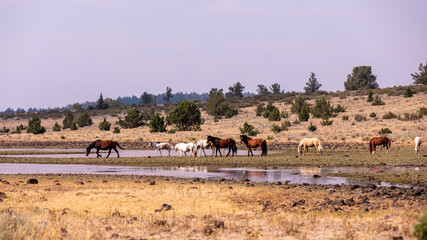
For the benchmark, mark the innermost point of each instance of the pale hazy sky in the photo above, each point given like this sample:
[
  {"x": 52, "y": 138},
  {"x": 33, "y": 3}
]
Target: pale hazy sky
[{"x": 55, "y": 52}]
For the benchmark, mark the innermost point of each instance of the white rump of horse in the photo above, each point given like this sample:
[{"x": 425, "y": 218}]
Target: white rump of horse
[
  {"x": 161, "y": 145},
  {"x": 202, "y": 144},
  {"x": 310, "y": 142},
  {"x": 418, "y": 141}
]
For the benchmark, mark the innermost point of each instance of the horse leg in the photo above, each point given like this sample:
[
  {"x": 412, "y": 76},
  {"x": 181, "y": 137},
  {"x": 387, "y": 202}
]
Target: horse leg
[
  {"x": 252, "y": 154},
  {"x": 160, "y": 151},
  {"x": 185, "y": 153},
  {"x": 97, "y": 153},
  {"x": 169, "y": 152},
  {"x": 117, "y": 152},
  {"x": 317, "y": 150},
  {"x": 219, "y": 149},
  {"x": 155, "y": 152},
  {"x": 203, "y": 151},
  {"x": 249, "y": 151},
  {"x": 229, "y": 149},
  {"x": 109, "y": 152}
]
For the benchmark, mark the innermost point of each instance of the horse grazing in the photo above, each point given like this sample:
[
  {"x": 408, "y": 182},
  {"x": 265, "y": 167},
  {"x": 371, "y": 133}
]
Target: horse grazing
[
  {"x": 383, "y": 140},
  {"x": 310, "y": 142},
  {"x": 254, "y": 143},
  {"x": 186, "y": 147},
  {"x": 418, "y": 141},
  {"x": 161, "y": 145},
  {"x": 202, "y": 144},
  {"x": 223, "y": 143},
  {"x": 103, "y": 145}
]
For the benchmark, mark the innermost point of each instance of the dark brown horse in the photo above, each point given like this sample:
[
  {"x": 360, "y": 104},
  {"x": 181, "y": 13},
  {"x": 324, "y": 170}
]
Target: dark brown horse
[
  {"x": 103, "y": 145},
  {"x": 254, "y": 143},
  {"x": 223, "y": 143},
  {"x": 383, "y": 140}
]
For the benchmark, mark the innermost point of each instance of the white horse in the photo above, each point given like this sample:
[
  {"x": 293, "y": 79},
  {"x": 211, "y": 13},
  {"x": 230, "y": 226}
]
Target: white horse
[
  {"x": 186, "y": 147},
  {"x": 418, "y": 142},
  {"x": 310, "y": 142},
  {"x": 202, "y": 144},
  {"x": 161, "y": 145}
]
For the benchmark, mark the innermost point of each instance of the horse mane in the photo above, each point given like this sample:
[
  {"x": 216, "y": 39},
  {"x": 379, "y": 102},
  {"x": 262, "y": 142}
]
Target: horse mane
[
  {"x": 92, "y": 144},
  {"x": 246, "y": 137}
]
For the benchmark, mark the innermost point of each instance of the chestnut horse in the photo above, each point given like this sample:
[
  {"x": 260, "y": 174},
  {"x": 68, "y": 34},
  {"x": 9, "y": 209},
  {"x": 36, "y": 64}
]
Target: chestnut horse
[
  {"x": 383, "y": 140},
  {"x": 254, "y": 143},
  {"x": 103, "y": 145},
  {"x": 310, "y": 142},
  {"x": 223, "y": 143}
]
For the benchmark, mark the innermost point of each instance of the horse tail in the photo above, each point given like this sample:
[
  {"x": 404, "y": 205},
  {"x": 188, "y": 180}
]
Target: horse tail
[
  {"x": 234, "y": 148},
  {"x": 264, "y": 147},
  {"x": 118, "y": 145}
]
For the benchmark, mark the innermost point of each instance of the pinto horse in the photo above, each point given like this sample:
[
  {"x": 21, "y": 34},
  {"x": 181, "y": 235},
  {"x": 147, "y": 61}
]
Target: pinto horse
[
  {"x": 202, "y": 144},
  {"x": 161, "y": 145},
  {"x": 103, "y": 145},
  {"x": 254, "y": 143},
  {"x": 310, "y": 142},
  {"x": 223, "y": 143},
  {"x": 383, "y": 140}
]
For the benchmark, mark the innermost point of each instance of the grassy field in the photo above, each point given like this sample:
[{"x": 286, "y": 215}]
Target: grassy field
[{"x": 126, "y": 207}]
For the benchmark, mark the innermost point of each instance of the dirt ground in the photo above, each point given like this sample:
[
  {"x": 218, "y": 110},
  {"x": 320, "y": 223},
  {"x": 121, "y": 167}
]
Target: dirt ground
[{"x": 131, "y": 207}]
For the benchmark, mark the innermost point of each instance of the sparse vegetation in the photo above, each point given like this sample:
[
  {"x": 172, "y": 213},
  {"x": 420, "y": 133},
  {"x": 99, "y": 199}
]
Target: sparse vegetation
[
  {"x": 372, "y": 115},
  {"x": 68, "y": 120},
  {"x": 157, "y": 123},
  {"x": 340, "y": 108},
  {"x": 370, "y": 96},
  {"x": 276, "y": 128},
  {"x": 389, "y": 115},
  {"x": 104, "y": 125},
  {"x": 116, "y": 130},
  {"x": 56, "y": 127},
  {"x": 311, "y": 127},
  {"x": 248, "y": 129},
  {"x": 322, "y": 109},
  {"x": 420, "y": 230},
  {"x": 326, "y": 122},
  {"x": 345, "y": 118},
  {"x": 34, "y": 126},
  {"x": 133, "y": 119},
  {"x": 361, "y": 77},
  {"x": 359, "y": 118},
  {"x": 186, "y": 116},
  {"x": 84, "y": 120},
  {"x": 377, "y": 101},
  {"x": 217, "y": 107},
  {"x": 408, "y": 92},
  {"x": 384, "y": 131}
]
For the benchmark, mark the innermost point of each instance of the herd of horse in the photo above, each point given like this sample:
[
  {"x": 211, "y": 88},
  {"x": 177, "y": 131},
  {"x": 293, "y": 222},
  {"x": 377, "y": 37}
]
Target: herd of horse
[{"x": 216, "y": 144}]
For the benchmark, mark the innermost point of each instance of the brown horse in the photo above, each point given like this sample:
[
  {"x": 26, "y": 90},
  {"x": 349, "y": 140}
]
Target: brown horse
[
  {"x": 383, "y": 140},
  {"x": 103, "y": 145},
  {"x": 223, "y": 143},
  {"x": 254, "y": 143}
]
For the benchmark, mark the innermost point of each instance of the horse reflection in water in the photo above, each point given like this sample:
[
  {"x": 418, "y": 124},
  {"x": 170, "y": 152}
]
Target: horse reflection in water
[{"x": 310, "y": 171}]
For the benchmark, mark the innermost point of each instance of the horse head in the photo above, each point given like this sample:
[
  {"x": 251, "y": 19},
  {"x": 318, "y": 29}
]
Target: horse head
[{"x": 87, "y": 151}]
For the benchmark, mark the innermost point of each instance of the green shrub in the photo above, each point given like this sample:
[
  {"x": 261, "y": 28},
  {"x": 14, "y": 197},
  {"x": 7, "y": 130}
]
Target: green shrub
[
  {"x": 276, "y": 128},
  {"x": 259, "y": 109},
  {"x": 377, "y": 101},
  {"x": 74, "y": 126},
  {"x": 410, "y": 116},
  {"x": 312, "y": 127},
  {"x": 422, "y": 111},
  {"x": 340, "y": 108},
  {"x": 304, "y": 114},
  {"x": 62, "y": 137},
  {"x": 4, "y": 130},
  {"x": 186, "y": 116},
  {"x": 104, "y": 125},
  {"x": 322, "y": 108},
  {"x": 296, "y": 122},
  {"x": 116, "y": 130},
  {"x": 21, "y": 127},
  {"x": 408, "y": 92},
  {"x": 217, "y": 107},
  {"x": 56, "y": 127},
  {"x": 389, "y": 115},
  {"x": 359, "y": 118},
  {"x": 373, "y": 114},
  {"x": 270, "y": 137},
  {"x": 420, "y": 230},
  {"x": 274, "y": 115},
  {"x": 384, "y": 131},
  {"x": 370, "y": 96},
  {"x": 157, "y": 123},
  {"x": 326, "y": 122},
  {"x": 68, "y": 120},
  {"x": 34, "y": 126},
  {"x": 345, "y": 118},
  {"x": 298, "y": 105},
  {"x": 133, "y": 119},
  {"x": 271, "y": 112},
  {"x": 84, "y": 120},
  {"x": 248, "y": 129},
  {"x": 284, "y": 114},
  {"x": 286, "y": 124},
  {"x": 171, "y": 131}
]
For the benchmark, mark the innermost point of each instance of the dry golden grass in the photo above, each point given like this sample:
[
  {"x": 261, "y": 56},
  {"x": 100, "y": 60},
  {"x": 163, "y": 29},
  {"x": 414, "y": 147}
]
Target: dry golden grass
[
  {"x": 403, "y": 131},
  {"x": 124, "y": 207}
]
